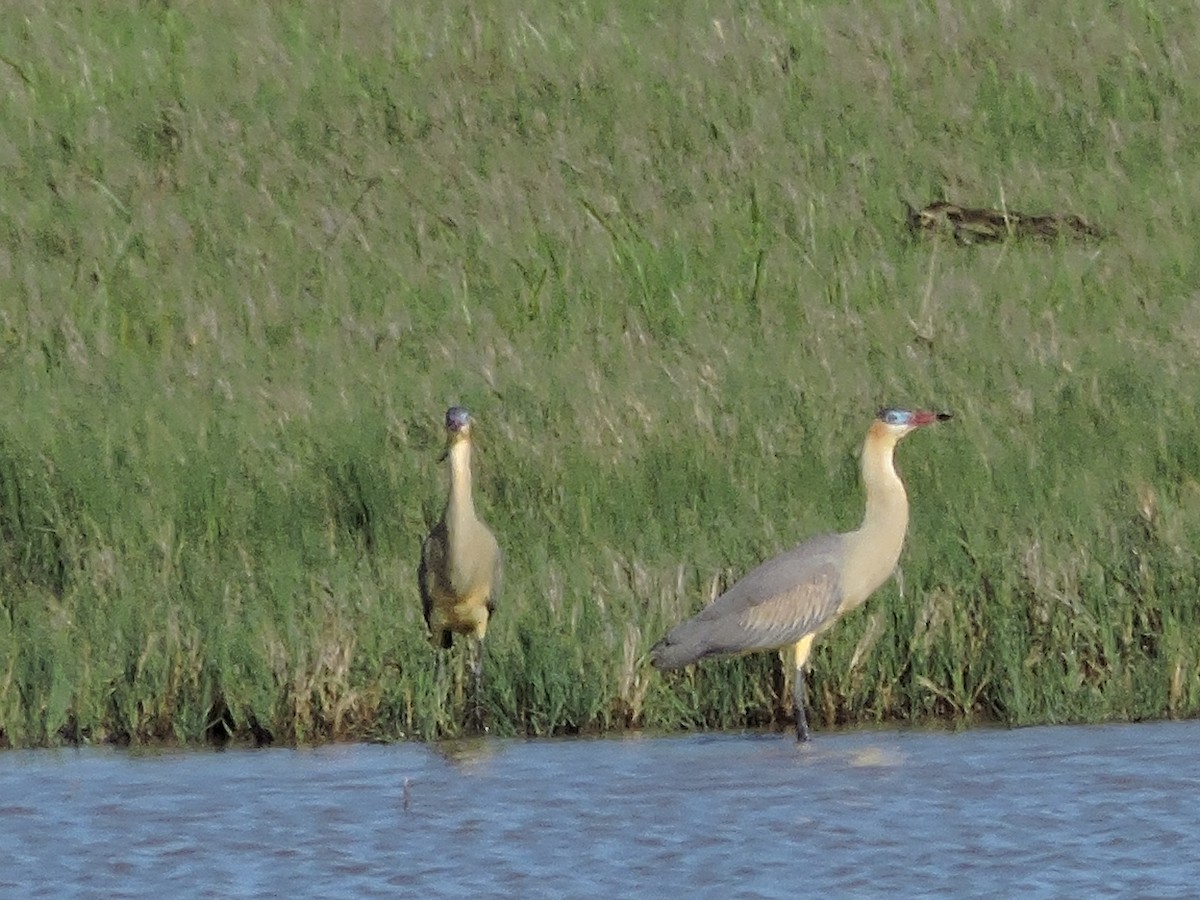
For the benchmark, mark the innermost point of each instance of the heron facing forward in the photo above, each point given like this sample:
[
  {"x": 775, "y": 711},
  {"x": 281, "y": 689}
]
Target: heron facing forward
[{"x": 459, "y": 574}]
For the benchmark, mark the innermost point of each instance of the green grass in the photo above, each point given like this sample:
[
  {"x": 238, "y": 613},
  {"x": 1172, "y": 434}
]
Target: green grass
[{"x": 249, "y": 254}]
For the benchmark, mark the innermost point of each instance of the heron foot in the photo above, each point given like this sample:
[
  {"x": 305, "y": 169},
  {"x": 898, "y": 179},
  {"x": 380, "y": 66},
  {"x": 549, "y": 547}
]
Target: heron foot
[{"x": 803, "y": 735}]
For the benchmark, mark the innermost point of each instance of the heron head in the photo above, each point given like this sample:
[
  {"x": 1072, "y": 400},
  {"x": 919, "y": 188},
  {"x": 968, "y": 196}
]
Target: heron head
[
  {"x": 899, "y": 422},
  {"x": 458, "y": 427},
  {"x": 457, "y": 420}
]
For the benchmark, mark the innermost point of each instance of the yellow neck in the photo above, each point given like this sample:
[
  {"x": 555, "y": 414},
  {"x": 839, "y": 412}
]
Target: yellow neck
[
  {"x": 874, "y": 549},
  {"x": 460, "y": 508}
]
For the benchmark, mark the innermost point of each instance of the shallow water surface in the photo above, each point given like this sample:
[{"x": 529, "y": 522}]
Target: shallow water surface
[{"x": 1038, "y": 812}]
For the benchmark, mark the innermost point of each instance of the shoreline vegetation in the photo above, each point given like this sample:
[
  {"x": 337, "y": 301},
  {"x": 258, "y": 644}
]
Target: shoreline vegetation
[{"x": 249, "y": 255}]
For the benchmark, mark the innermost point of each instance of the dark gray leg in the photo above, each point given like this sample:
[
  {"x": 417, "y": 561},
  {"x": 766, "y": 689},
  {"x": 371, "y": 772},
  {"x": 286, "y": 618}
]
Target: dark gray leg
[
  {"x": 439, "y": 677},
  {"x": 802, "y": 733},
  {"x": 801, "y": 650},
  {"x": 477, "y": 685}
]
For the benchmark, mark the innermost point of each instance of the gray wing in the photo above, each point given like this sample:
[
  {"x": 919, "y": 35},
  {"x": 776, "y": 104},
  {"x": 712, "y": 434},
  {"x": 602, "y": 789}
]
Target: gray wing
[
  {"x": 775, "y": 604},
  {"x": 432, "y": 556}
]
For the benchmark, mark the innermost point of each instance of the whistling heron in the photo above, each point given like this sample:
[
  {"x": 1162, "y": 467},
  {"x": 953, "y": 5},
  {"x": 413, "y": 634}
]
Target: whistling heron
[
  {"x": 790, "y": 599},
  {"x": 459, "y": 575}
]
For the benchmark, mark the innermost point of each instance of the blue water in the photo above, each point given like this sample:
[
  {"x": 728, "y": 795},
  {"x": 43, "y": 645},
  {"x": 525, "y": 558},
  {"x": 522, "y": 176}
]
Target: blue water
[{"x": 1102, "y": 811}]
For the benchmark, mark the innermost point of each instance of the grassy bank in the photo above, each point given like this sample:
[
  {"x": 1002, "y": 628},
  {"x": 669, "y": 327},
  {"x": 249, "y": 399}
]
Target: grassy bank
[{"x": 249, "y": 255}]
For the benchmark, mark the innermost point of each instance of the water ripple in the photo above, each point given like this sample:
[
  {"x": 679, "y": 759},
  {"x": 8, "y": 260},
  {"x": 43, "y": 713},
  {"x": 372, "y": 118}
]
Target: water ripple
[{"x": 1102, "y": 811}]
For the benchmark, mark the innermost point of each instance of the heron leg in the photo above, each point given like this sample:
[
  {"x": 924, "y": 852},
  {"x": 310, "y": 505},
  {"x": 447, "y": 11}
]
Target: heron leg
[
  {"x": 477, "y": 684},
  {"x": 803, "y": 646},
  {"x": 439, "y": 677}
]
